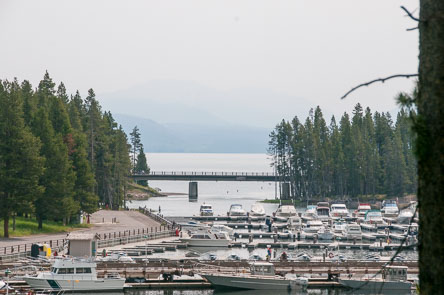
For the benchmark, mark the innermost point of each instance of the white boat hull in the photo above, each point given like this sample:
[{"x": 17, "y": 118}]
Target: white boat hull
[
  {"x": 251, "y": 282},
  {"x": 78, "y": 285},
  {"x": 377, "y": 285}
]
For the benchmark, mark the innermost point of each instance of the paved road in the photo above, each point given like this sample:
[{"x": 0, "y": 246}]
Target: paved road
[{"x": 102, "y": 223}]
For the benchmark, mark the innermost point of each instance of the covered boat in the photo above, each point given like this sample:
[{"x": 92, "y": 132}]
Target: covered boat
[
  {"x": 394, "y": 280},
  {"x": 261, "y": 277}
]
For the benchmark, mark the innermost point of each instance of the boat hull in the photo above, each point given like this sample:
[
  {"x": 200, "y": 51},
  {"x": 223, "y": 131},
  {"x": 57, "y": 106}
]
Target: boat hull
[
  {"x": 251, "y": 283},
  {"x": 377, "y": 285},
  {"x": 75, "y": 285}
]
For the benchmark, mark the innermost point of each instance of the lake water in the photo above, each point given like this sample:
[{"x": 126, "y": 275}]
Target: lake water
[{"x": 219, "y": 194}]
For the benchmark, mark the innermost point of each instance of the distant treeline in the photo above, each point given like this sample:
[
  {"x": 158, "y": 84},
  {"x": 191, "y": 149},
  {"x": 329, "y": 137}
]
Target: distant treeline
[
  {"x": 59, "y": 154},
  {"x": 366, "y": 154}
]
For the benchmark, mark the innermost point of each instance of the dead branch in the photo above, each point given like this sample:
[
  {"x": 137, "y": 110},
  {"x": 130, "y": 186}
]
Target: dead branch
[
  {"x": 412, "y": 29},
  {"x": 382, "y": 80},
  {"x": 409, "y": 14}
]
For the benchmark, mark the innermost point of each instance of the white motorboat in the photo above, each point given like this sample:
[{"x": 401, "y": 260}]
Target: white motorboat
[
  {"x": 310, "y": 213},
  {"x": 206, "y": 210},
  {"x": 73, "y": 274},
  {"x": 261, "y": 277},
  {"x": 294, "y": 223},
  {"x": 285, "y": 234},
  {"x": 325, "y": 234},
  {"x": 362, "y": 209},
  {"x": 216, "y": 228},
  {"x": 116, "y": 256},
  {"x": 284, "y": 212},
  {"x": 373, "y": 217},
  {"x": 236, "y": 210},
  {"x": 389, "y": 208},
  {"x": 394, "y": 279},
  {"x": 405, "y": 216},
  {"x": 352, "y": 231},
  {"x": 338, "y": 211},
  {"x": 257, "y": 210},
  {"x": 207, "y": 238},
  {"x": 313, "y": 226},
  {"x": 339, "y": 225},
  {"x": 323, "y": 211}
]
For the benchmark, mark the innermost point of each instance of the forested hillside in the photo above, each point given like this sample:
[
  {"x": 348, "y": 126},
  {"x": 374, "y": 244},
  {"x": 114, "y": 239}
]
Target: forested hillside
[
  {"x": 59, "y": 154},
  {"x": 365, "y": 154}
]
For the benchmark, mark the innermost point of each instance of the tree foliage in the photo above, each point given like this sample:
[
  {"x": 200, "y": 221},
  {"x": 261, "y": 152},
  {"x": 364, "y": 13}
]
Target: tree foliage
[
  {"x": 59, "y": 154},
  {"x": 366, "y": 154}
]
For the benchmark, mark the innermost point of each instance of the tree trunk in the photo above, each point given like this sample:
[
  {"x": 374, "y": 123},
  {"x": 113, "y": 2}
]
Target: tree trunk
[
  {"x": 13, "y": 222},
  {"x": 6, "y": 226},
  {"x": 40, "y": 222},
  {"x": 430, "y": 146}
]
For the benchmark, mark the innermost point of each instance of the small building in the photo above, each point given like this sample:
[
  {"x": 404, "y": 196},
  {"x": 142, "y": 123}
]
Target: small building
[{"x": 82, "y": 244}]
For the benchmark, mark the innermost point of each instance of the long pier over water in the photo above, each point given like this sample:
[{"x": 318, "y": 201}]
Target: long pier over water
[{"x": 207, "y": 176}]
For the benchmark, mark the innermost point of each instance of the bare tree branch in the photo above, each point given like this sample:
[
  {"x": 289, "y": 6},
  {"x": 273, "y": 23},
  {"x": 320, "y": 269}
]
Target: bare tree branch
[
  {"x": 382, "y": 80},
  {"x": 409, "y": 14},
  {"x": 412, "y": 29}
]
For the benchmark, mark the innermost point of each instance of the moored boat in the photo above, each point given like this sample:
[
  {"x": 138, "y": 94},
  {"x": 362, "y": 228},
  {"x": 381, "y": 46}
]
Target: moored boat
[
  {"x": 74, "y": 274},
  {"x": 389, "y": 208},
  {"x": 323, "y": 210},
  {"x": 207, "y": 238},
  {"x": 236, "y": 210},
  {"x": 261, "y": 277},
  {"x": 362, "y": 209},
  {"x": 309, "y": 214},
  {"x": 394, "y": 280},
  {"x": 338, "y": 210},
  {"x": 352, "y": 231},
  {"x": 206, "y": 210},
  {"x": 284, "y": 212},
  {"x": 257, "y": 210}
]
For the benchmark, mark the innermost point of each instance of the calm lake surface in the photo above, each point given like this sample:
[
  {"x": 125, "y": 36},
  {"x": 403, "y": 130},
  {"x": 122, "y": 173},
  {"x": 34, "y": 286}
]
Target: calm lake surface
[{"x": 219, "y": 194}]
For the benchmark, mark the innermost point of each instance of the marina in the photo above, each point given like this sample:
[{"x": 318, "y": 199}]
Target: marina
[{"x": 192, "y": 252}]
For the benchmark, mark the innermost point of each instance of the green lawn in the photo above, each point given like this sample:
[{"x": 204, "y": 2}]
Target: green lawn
[
  {"x": 29, "y": 226},
  {"x": 278, "y": 201}
]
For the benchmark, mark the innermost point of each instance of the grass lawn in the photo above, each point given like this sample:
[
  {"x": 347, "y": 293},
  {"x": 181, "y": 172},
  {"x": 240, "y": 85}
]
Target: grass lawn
[
  {"x": 29, "y": 226},
  {"x": 278, "y": 201}
]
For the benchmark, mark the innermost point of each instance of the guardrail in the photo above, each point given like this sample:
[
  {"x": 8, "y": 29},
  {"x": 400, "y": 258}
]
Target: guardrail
[
  {"x": 206, "y": 173},
  {"x": 15, "y": 252}
]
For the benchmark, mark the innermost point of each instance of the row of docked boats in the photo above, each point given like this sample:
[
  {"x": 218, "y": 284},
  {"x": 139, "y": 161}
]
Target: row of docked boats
[
  {"x": 323, "y": 211},
  {"x": 80, "y": 275}
]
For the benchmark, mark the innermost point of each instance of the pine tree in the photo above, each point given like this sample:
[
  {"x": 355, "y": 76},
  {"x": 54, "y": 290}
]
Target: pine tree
[
  {"x": 142, "y": 166},
  {"x": 135, "y": 142},
  {"x": 20, "y": 162}
]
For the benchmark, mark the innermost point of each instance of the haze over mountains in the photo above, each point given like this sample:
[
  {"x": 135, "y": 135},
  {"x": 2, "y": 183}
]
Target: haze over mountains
[{"x": 183, "y": 116}]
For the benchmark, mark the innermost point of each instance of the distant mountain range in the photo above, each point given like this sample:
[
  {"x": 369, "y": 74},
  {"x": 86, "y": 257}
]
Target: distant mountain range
[
  {"x": 184, "y": 116},
  {"x": 196, "y": 138}
]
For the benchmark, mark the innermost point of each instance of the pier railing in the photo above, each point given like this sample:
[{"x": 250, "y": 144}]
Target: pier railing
[
  {"x": 109, "y": 239},
  {"x": 207, "y": 176}
]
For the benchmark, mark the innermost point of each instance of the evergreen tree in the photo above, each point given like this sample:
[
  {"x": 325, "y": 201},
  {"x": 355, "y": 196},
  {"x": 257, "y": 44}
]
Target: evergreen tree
[
  {"x": 135, "y": 142},
  {"x": 20, "y": 162},
  {"x": 142, "y": 166}
]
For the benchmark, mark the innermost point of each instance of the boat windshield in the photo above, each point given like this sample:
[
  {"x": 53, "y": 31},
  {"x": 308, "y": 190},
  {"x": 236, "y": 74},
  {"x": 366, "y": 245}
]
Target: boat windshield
[
  {"x": 393, "y": 205},
  {"x": 338, "y": 207},
  {"x": 205, "y": 207},
  {"x": 236, "y": 207},
  {"x": 323, "y": 211},
  {"x": 374, "y": 214}
]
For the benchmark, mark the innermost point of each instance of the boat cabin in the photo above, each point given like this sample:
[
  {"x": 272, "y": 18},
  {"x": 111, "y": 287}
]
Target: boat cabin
[
  {"x": 262, "y": 268},
  {"x": 73, "y": 266},
  {"x": 206, "y": 210},
  {"x": 395, "y": 273}
]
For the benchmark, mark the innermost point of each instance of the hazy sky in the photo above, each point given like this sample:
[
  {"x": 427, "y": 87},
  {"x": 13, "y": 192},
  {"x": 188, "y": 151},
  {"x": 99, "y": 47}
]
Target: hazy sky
[{"x": 310, "y": 50}]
